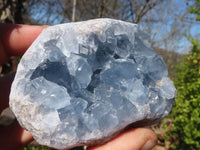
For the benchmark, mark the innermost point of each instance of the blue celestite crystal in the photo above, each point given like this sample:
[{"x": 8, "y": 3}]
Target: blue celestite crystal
[{"x": 85, "y": 82}]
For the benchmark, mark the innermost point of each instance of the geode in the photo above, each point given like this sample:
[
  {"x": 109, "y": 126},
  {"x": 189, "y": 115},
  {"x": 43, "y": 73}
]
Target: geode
[{"x": 83, "y": 83}]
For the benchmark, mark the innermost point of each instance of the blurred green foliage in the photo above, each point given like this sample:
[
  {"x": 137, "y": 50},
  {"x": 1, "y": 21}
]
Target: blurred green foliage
[
  {"x": 37, "y": 148},
  {"x": 185, "y": 130},
  {"x": 195, "y": 9}
]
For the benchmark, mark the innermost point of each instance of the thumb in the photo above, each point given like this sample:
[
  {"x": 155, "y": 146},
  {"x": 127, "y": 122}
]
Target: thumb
[{"x": 135, "y": 139}]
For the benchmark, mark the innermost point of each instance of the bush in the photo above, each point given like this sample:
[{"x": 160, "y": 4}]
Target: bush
[{"x": 185, "y": 130}]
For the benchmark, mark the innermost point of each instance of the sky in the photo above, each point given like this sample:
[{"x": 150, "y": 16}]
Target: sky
[
  {"x": 181, "y": 45},
  {"x": 195, "y": 28}
]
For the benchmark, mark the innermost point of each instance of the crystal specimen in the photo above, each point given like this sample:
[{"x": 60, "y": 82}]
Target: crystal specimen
[{"x": 85, "y": 82}]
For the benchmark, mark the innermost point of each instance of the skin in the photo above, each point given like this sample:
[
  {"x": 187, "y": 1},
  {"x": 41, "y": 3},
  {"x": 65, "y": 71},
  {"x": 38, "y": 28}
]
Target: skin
[{"x": 14, "y": 41}]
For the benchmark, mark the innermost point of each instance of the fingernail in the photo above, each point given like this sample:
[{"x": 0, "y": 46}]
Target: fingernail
[{"x": 148, "y": 145}]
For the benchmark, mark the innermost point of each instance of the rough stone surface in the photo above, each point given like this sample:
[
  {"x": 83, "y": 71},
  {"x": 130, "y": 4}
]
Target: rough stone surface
[{"x": 83, "y": 83}]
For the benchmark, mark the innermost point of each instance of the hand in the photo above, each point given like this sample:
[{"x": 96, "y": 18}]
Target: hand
[{"x": 14, "y": 41}]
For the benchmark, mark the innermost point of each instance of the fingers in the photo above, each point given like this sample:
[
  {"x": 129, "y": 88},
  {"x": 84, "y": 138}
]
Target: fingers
[
  {"x": 15, "y": 39},
  {"x": 5, "y": 84},
  {"x": 14, "y": 137},
  {"x": 135, "y": 139}
]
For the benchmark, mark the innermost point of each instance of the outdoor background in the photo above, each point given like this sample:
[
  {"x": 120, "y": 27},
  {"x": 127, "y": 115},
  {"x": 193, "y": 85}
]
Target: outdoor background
[{"x": 174, "y": 29}]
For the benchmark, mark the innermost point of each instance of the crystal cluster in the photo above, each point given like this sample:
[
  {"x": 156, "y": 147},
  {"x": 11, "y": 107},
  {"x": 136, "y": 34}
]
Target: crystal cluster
[{"x": 83, "y": 83}]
